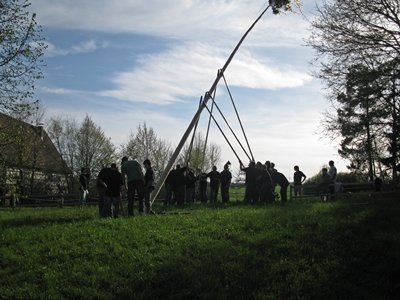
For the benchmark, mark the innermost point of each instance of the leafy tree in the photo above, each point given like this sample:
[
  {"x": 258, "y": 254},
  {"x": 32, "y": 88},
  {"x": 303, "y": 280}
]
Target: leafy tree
[
  {"x": 361, "y": 33},
  {"x": 21, "y": 48},
  {"x": 358, "y": 119}
]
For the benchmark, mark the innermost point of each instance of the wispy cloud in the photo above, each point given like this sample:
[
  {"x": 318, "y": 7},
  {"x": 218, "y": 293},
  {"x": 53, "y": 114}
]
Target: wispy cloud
[
  {"x": 200, "y": 36},
  {"x": 190, "y": 69},
  {"x": 189, "y": 19},
  {"x": 84, "y": 47}
]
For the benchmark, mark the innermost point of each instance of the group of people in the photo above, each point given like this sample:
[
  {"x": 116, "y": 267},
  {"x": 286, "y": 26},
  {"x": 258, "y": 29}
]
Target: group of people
[
  {"x": 327, "y": 184},
  {"x": 261, "y": 180},
  {"x": 183, "y": 185},
  {"x": 111, "y": 182}
]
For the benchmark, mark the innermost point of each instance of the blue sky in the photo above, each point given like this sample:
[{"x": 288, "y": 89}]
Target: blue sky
[{"x": 132, "y": 61}]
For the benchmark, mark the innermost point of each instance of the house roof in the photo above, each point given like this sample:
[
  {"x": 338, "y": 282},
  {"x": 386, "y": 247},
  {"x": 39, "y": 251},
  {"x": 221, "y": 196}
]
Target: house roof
[{"x": 23, "y": 145}]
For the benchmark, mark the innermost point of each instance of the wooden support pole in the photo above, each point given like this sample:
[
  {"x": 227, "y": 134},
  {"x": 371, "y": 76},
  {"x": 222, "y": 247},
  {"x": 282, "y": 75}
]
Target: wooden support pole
[{"x": 196, "y": 117}]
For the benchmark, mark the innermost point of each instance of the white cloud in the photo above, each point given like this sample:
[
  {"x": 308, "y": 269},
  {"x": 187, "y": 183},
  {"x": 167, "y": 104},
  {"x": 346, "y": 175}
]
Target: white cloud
[
  {"x": 191, "y": 68},
  {"x": 204, "y": 32},
  {"x": 218, "y": 21},
  {"x": 84, "y": 47}
]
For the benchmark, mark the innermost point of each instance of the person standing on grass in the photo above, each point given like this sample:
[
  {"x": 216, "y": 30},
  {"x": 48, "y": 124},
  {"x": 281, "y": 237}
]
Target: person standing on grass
[
  {"x": 226, "y": 178},
  {"x": 101, "y": 187},
  {"x": 179, "y": 183},
  {"x": 250, "y": 182},
  {"x": 266, "y": 194},
  {"x": 190, "y": 185},
  {"x": 134, "y": 182},
  {"x": 114, "y": 183},
  {"x": 169, "y": 189},
  {"x": 215, "y": 177},
  {"x": 203, "y": 187},
  {"x": 332, "y": 172},
  {"x": 148, "y": 184},
  {"x": 324, "y": 184},
  {"x": 84, "y": 179},
  {"x": 298, "y": 179},
  {"x": 282, "y": 181}
]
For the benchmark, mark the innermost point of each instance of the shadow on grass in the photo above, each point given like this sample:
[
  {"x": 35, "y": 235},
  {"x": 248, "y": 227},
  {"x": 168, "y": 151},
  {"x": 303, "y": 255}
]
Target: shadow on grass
[
  {"x": 347, "y": 252},
  {"x": 50, "y": 219}
]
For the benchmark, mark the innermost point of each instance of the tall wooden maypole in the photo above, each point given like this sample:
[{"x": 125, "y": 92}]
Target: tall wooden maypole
[{"x": 275, "y": 5}]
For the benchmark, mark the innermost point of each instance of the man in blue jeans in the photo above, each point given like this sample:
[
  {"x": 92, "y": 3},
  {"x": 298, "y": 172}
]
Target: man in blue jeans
[{"x": 134, "y": 182}]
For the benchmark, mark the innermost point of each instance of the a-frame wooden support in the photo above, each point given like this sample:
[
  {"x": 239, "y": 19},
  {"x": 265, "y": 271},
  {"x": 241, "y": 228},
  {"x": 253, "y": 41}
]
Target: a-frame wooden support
[{"x": 196, "y": 117}]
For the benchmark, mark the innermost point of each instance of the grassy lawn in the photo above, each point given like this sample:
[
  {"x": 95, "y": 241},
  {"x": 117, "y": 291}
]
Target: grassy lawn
[{"x": 349, "y": 249}]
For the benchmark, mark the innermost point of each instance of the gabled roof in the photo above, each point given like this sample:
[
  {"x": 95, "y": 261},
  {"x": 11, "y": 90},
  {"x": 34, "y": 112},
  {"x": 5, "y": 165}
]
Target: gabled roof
[{"x": 21, "y": 142}]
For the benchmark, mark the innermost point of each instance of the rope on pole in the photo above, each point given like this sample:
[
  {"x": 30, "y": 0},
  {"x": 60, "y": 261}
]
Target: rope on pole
[
  {"x": 237, "y": 114},
  {"x": 206, "y": 139},
  {"x": 226, "y": 122},
  {"x": 222, "y": 132},
  {"x": 178, "y": 149}
]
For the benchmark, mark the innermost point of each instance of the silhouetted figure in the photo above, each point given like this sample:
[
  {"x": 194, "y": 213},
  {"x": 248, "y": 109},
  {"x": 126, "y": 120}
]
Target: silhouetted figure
[
  {"x": 250, "y": 182},
  {"x": 259, "y": 182},
  {"x": 169, "y": 189},
  {"x": 203, "y": 187},
  {"x": 266, "y": 192},
  {"x": 214, "y": 176},
  {"x": 226, "y": 178},
  {"x": 84, "y": 179},
  {"x": 114, "y": 184},
  {"x": 134, "y": 182},
  {"x": 324, "y": 185},
  {"x": 332, "y": 172},
  {"x": 190, "y": 186},
  {"x": 148, "y": 184},
  {"x": 298, "y": 179},
  {"x": 179, "y": 184},
  {"x": 282, "y": 181},
  {"x": 101, "y": 187}
]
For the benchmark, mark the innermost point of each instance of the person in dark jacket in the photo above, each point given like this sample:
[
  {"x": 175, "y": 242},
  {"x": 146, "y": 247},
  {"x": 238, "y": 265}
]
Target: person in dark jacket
[
  {"x": 226, "y": 178},
  {"x": 282, "y": 181},
  {"x": 215, "y": 177},
  {"x": 113, "y": 181},
  {"x": 250, "y": 182},
  {"x": 266, "y": 193},
  {"x": 203, "y": 187},
  {"x": 179, "y": 184},
  {"x": 190, "y": 186}
]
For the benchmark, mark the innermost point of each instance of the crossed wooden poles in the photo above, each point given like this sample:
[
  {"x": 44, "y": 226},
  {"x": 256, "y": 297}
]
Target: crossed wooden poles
[{"x": 196, "y": 117}]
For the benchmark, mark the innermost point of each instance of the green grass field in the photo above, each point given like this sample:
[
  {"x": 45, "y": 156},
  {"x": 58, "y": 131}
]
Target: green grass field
[{"x": 349, "y": 249}]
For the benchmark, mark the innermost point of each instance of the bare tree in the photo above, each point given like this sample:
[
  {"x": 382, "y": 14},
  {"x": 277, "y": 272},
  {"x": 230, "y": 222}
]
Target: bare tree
[
  {"x": 94, "y": 149},
  {"x": 362, "y": 33},
  {"x": 200, "y": 155},
  {"x": 145, "y": 144},
  {"x": 63, "y": 133},
  {"x": 81, "y": 145},
  {"x": 352, "y": 32}
]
